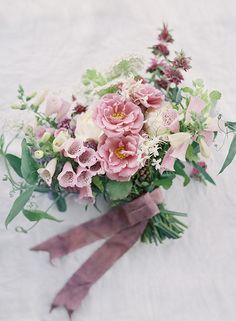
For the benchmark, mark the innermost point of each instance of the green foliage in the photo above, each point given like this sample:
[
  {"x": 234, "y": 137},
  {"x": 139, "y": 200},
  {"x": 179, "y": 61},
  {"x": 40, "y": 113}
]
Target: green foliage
[
  {"x": 93, "y": 77},
  {"x": 162, "y": 226},
  {"x": 165, "y": 180},
  {"x": 191, "y": 154},
  {"x": 59, "y": 201},
  {"x": 37, "y": 215},
  {"x": 204, "y": 173},
  {"x": 15, "y": 163},
  {"x": 28, "y": 165},
  {"x": 231, "y": 125},
  {"x": 179, "y": 170},
  {"x": 118, "y": 190},
  {"x": 174, "y": 94},
  {"x": 125, "y": 67},
  {"x": 98, "y": 182},
  {"x": 231, "y": 154},
  {"x": 19, "y": 204}
]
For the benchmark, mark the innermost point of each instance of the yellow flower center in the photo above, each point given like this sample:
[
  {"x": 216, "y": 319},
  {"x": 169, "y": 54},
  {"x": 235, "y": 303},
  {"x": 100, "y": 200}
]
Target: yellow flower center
[
  {"x": 119, "y": 152},
  {"x": 119, "y": 115}
]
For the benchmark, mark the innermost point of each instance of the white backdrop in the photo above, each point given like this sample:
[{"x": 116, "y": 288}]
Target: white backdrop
[{"x": 48, "y": 44}]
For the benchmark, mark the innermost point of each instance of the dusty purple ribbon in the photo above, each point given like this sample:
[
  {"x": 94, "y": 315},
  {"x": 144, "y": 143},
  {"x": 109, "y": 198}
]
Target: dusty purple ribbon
[{"x": 121, "y": 226}]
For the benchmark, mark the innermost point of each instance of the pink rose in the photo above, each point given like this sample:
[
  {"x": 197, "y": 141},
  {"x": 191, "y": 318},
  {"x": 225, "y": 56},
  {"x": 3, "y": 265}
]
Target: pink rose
[
  {"x": 119, "y": 157},
  {"x": 148, "y": 96},
  {"x": 117, "y": 116}
]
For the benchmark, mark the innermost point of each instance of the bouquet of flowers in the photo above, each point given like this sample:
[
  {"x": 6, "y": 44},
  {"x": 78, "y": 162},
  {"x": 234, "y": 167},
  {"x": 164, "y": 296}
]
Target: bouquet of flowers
[{"x": 122, "y": 135}]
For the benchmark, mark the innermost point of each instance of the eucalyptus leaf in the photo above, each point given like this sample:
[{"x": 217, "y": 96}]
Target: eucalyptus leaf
[
  {"x": 59, "y": 201},
  {"x": 37, "y": 215},
  {"x": 204, "y": 173},
  {"x": 118, "y": 190},
  {"x": 19, "y": 204},
  {"x": 15, "y": 163},
  {"x": 28, "y": 165},
  {"x": 231, "y": 154},
  {"x": 231, "y": 125}
]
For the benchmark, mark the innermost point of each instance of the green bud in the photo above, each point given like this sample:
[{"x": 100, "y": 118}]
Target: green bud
[{"x": 38, "y": 154}]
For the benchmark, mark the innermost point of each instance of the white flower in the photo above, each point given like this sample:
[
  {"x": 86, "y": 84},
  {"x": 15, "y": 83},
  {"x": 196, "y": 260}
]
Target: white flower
[
  {"x": 178, "y": 139},
  {"x": 86, "y": 128},
  {"x": 60, "y": 140},
  {"x": 204, "y": 149},
  {"x": 47, "y": 173}
]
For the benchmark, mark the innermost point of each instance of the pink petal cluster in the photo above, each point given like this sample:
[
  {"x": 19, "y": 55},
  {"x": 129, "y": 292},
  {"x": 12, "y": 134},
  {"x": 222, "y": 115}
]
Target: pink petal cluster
[
  {"x": 170, "y": 120},
  {"x": 87, "y": 164},
  {"x": 119, "y": 157},
  {"x": 148, "y": 96},
  {"x": 58, "y": 106},
  {"x": 117, "y": 116}
]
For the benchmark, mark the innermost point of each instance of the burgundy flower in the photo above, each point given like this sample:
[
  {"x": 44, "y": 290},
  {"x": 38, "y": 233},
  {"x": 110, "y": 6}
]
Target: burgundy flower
[
  {"x": 173, "y": 75},
  {"x": 162, "y": 83},
  {"x": 161, "y": 49},
  {"x": 182, "y": 62},
  {"x": 165, "y": 35}
]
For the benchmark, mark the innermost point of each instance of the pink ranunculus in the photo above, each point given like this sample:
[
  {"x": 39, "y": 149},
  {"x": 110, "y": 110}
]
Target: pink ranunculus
[
  {"x": 119, "y": 157},
  {"x": 87, "y": 158},
  {"x": 83, "y": 177},
  {"x": 148, "y": 96},
  {"x": 67, "y": 178},
  {"x": 73, "y": 148},
  {"x": 58, "y": 106},
  {"x": 170, "y": 120},
  {"x": 117, "y": 116}
]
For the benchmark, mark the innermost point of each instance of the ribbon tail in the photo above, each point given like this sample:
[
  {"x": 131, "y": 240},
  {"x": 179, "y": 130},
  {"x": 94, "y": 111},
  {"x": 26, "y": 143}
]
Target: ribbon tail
[
  {"x": 115, "y": 220},
  {"x": 75, "y": 290}
]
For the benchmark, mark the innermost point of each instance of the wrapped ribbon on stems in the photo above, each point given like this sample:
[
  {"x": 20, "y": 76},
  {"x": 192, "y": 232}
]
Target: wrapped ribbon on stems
[{"x": 121, "y": 226}]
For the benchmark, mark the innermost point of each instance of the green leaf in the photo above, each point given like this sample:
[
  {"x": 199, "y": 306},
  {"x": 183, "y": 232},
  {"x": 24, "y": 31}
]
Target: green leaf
[
  {"x": 179, "y": 170},
  {"x": 97, "y": 181},
  {"x": 59, "y": 201},
  {"x": 191, "y": 155},
  {"x": 118, "y": 190},
  {"x": 231, "y": 154},
  {"x": 37, "y": 215},
  {"x": 164, "y": 182},
  {"x": 15, "y": 163},
  {"x": 28, "y": 165},
  {"x": 231, "y": 125},
  {"x": 187, "y": 90},
  {"x": 92, "y": 76},
  {"x": 215, "y": 95},
  {"x": 19, "y": 204},
  {"x": 204, "y": 173},
  {"x": 2, "y": 142}
]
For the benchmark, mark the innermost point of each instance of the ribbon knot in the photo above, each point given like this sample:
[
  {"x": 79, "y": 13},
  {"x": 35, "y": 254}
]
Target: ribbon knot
[{"x": 120, "y": 226}]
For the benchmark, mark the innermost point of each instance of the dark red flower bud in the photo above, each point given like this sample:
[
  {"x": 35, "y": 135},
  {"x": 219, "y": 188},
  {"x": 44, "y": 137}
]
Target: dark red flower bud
[
  {"x": 161, "y": 49},
  {"x": 165, "y": 35},
  {"x": 182, "y": 62},
  {"x": 173, "y": 75}
]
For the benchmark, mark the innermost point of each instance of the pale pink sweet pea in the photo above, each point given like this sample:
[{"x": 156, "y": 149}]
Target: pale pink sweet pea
[
  {"x": 117, "y": 116},
  {"x": 119, "y": 156},
  {"x": 73, "y": 148},
  {"x": 67, "y": 178},
  {"x": 58, "y": 106},
  {"x": 168, "y": 161},
  {"x": 148, "y": 96},
  {"x": 87, "y": 158},
  {"x": 196, "y": 105}
]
